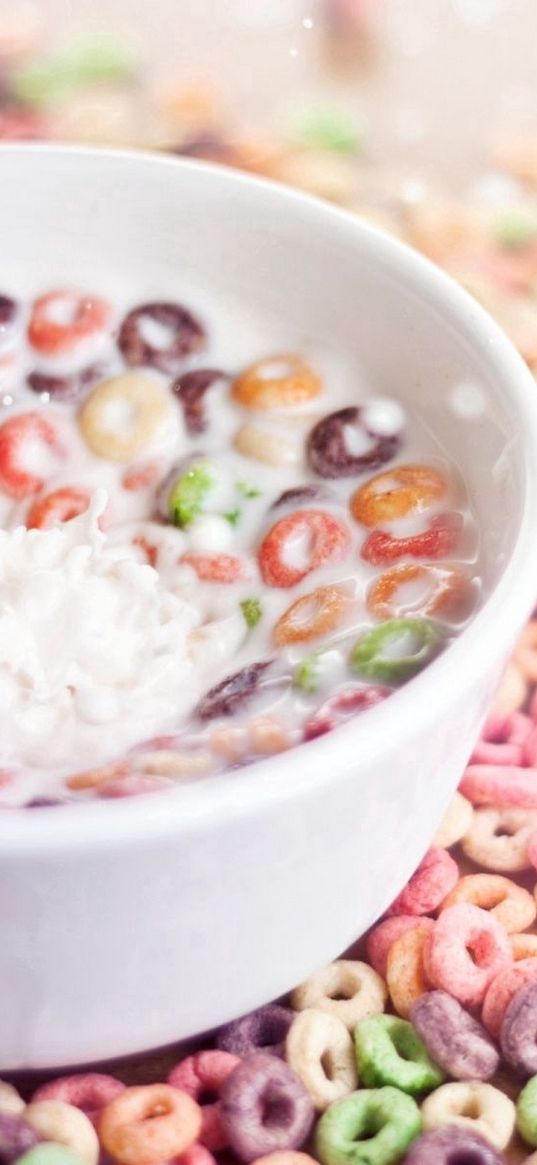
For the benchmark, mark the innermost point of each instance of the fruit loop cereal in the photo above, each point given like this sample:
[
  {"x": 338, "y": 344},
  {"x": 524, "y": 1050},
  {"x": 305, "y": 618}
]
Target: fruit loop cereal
[
  {"x": 418, "y": 1048},
  {"x": 227, "y": 497}
]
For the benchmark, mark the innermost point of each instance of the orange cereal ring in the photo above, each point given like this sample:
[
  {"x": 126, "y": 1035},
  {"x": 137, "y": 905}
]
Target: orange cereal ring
[
  {"x": 217, "y": 568},
  {"x": 512, "y": 906},
  {"x": 61, "y": 319},
  {"x": 311, "y": 616},
  {"x": 59, "y": 506},
  {"x": 19, "y": 437},
  {"x": 329, "y": 541},
  {"x": 144, "y": 409},
  {"x": 277, "y": 382},
  {"x": 405, "y": 973},
  {"x": 449, "y": 591},
  {"x": 523, "y": 946},
  {"x": 397, "y": 493},
  {"x": 149, "y": 1124}
]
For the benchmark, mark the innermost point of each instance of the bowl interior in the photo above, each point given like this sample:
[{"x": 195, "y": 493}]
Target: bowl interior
[
  {"x": 136, "y": 224},
  {"x": 179, "y": 229}
]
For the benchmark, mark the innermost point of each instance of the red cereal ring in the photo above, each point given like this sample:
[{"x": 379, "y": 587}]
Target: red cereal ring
[
  {"x": 329, "y": 541},
  {"x": 339, "y": 708},
  {"x": 436, "y": 875},
  {"x": 500, "y": 785},
  {"x": 149, "y": 1124},
  {"x": 59, "y": 506},
  {"x": 50, "y": 334},
  {"x": 503, "y": 740},
  {"x": 217, "y": 568},
  {"x": 466, "y": 949},
  {"x": 502, "y": 990},
  {"x": 449, "y": 592},
  {"x": 201, "y": 1075},
  {"x": 398, "y": 493},
  {"x": 19, "y": 437},
  {"x": 89, "y": 1091},
  {"x": 196, "y": 1155},
  {"x": 311, "y": 616},
  {"x": 140, "y": 477},
  {"x": 437, "y": 541}
]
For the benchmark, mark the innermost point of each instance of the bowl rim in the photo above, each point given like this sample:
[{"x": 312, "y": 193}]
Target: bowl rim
[{"x": 93, "y": 826}]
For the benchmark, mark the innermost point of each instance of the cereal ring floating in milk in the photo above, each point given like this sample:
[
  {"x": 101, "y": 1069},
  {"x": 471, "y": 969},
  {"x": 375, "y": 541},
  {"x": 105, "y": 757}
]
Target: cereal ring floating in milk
[{"x": 124, "y": 416}]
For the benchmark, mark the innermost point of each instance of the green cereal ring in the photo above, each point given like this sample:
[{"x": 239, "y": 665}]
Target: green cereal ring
[
  {"x": 188, "y": 494},
  {"x": 386, "y": 1119},
  {"x": 396, "y": 650},
  {"x": 390, "y": 1051},
  {"x": 49, "y": 1153},
  {"x": 526, "y": 1112}
]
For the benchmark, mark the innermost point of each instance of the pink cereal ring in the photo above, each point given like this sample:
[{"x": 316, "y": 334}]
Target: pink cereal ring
[
  {"x": 196, "y": 1155},
  {"x": 149, "y": 1124},
  {"x": 384, "y": 935},
  {"x": 503, "y": 740},
  {"x": 435, "y": 876},
  {"x": 19, "y": 437},
  {"x": 500, "y": 785},
  {"x": 529, "y": 756},
  {"x": 198, "y": 1075},
  {"x": 89, "y": 1091},
  {"x": 526, "y": 652},
  {"x": 286, "y": 1157},
  {"x": 466, "y": 949},
  {"x": 132, "y": 785},
  {"x": 512, "y": 906},
  {"x": 501, "y": 991}
]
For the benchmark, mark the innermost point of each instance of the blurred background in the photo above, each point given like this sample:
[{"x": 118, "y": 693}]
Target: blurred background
[{"x": 418, "y": 114}]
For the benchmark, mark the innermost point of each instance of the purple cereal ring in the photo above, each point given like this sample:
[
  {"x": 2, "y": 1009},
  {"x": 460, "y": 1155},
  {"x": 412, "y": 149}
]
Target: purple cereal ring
[
  {"x": 264, "y": 1030},
  {"x": 451, "y": 1145},
  {"x": 203, "y": 1076},
  {"x": 186, "y": 336},
  {"x": 265, "y": 1108},
  {"x": 502, "y": 990},
  {"x": 503, "y": 740},
  {"x": 190, "y": 389},
  {"x": 453, "y": 1038},
  {"x": 329, "y": 454},
  {"x": 89, "y": 1091},
  {"x": 518, "y": 1038},
  {"x": 435, "y": 877},
  {"x": 16, "y": 1137},
  {"x": 465, "y": 950}
]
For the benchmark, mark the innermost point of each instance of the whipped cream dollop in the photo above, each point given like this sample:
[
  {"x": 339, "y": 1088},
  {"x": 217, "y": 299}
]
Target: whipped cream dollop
[{"x": 95, "y": 653}]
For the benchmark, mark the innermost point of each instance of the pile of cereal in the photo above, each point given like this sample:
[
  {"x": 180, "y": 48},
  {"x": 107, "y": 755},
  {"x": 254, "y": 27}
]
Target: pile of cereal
[{"x": 418, "y": 1047}]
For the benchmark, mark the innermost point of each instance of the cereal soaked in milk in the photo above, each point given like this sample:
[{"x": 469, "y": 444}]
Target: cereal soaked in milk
[{"x": 216, "y": 541}]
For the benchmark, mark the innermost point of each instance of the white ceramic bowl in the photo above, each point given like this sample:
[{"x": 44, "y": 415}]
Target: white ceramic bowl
[{"x": 126, "y": 926}]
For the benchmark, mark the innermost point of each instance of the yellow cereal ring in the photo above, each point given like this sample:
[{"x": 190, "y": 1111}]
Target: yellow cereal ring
[{"x": 147, "y": 408}]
